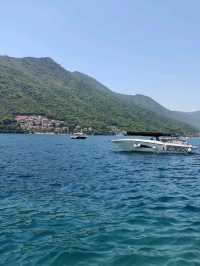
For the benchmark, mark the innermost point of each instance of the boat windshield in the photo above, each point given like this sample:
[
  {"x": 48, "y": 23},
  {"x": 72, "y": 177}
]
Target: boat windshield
[{"x": 176, "y": 140}]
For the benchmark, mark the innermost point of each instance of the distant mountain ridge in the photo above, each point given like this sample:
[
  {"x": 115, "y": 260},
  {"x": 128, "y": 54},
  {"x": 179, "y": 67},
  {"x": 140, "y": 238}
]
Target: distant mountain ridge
[
  {"x": 192, "y": 118},
  {"x": 40, "y": 85}
]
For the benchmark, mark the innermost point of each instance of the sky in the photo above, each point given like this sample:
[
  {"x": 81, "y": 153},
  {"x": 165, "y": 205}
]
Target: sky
[{"x": 150, "y": 47}]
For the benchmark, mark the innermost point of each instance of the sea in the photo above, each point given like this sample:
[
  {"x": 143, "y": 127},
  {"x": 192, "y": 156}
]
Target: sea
[{"x": 80, "y": 203}]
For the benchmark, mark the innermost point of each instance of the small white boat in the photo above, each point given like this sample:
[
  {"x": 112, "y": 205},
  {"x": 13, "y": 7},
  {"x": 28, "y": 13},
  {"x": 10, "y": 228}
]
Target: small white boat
[
  {"x": 156, "y": 143},
  {"x": 78, "y": 135}
]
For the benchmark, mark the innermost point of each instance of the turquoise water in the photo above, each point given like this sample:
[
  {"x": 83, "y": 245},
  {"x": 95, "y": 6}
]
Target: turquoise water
[{"x": 69, "y": 202}]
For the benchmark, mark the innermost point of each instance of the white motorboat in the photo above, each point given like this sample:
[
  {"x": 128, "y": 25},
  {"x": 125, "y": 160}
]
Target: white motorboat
[
  {"x": 155, "y": 142},
  {"x": 78, "y": 135}
]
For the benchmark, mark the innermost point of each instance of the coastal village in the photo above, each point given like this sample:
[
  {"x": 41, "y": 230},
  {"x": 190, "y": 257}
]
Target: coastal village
[{"x": 40, "y": 123}]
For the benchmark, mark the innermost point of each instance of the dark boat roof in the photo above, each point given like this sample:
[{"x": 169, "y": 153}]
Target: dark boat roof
[{"x": 150, "y": 134}]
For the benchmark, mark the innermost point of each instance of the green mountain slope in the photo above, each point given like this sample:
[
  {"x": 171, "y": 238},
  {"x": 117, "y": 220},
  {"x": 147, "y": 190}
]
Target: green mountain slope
[
  {"x": 41, "y": 86},
  {"x": 191, "y": 118}
]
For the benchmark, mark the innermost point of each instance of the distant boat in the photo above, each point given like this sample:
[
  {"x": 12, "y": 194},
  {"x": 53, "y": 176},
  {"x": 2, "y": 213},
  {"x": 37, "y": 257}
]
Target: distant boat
[
  {"x": 156, "y": 143},
  {"x": 44, "y": 133},
  {"x": 78, "y": 135}
]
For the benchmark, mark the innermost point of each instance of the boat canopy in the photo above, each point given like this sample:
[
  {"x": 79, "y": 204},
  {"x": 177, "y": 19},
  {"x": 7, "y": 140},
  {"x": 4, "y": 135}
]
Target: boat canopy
[{"x": 151, "y": 134}]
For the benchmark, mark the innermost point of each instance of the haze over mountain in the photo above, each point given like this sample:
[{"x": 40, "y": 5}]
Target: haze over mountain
[{"x": 41, "y": 86}]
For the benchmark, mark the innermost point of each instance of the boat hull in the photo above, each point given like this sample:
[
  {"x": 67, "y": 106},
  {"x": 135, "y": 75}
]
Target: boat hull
[{"x": 80, "y": 137}]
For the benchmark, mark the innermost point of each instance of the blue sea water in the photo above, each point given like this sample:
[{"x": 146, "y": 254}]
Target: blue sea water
[{"x": 70, "y": 202}]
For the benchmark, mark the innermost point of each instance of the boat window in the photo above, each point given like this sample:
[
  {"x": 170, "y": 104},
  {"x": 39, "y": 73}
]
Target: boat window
[{"x": 145, "y": 146}]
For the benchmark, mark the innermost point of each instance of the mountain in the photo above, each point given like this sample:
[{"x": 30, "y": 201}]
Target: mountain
[
  {"x": 41, "y": 86},
  {"x": 191, "y": 118}
]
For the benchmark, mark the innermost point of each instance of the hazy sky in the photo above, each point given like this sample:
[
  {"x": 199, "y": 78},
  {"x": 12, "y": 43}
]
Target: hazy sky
[{"x": 149, "y": 47}]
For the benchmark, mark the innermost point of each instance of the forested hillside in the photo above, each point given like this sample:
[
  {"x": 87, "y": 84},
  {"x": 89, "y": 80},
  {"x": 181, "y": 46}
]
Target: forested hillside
[{"x": 41, "y": 86}]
